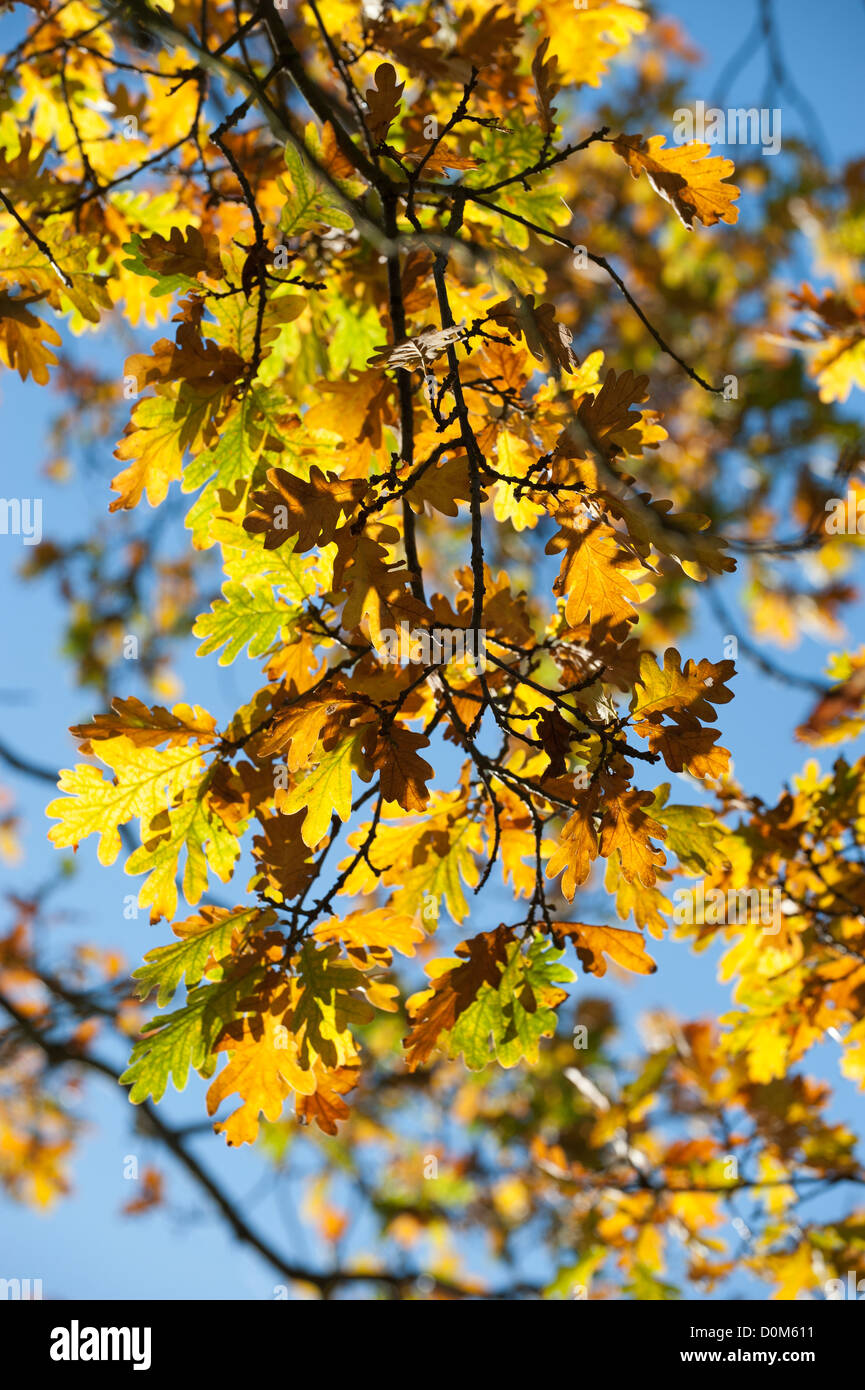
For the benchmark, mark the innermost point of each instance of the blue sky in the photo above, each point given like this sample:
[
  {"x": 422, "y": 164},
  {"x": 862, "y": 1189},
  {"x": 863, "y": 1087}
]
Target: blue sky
[{"x": 83, "y": 1247}]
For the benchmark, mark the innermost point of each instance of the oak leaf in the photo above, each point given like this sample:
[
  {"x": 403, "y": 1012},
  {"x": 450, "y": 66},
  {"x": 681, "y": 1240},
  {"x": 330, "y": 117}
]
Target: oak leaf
[
  {"x": 145, "y": 782},
  {"x": 326, "y": 1105},
  {"x": 626, "y": 827},
  {"x": 507, "y": 1022},
  {"x": 393, "y": 752},
  {"x": 696, "y": 687},
  {"x": 26, "y": 340},
  {"x": 577, "y": 848},
  {"x": 455, "y": 987},
  {"x": 155, "y": 440},
  {"x": 686, "y": 745},
  {"x": 608, "y": 416},
  {"x": 147, "y": 728},
  {"x": 547, "y": 339},
  {"x": 325, "y": 792},
  {"x": 263, "y": 1068},
  {"x": 206, "y": 937},
  {"x": 626, "y": 948},
  {"x": 296, "y": 730},
  {"x": 188, "y": 252},
  {"x": 545, "y": 73},
  {"x": 690, "y": 183},
  {"x": 597, "y": 575},
  {"x": 379, "y": 929},
  {"x": 383, "y": 101},
  {"x": 308, "y": 509}
]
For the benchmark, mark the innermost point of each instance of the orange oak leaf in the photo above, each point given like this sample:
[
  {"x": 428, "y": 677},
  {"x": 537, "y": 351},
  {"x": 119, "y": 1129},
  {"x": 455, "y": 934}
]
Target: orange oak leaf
[
  {"x": 151, "y": 1194},
  {"x": 687, "y": 745},
  {"x": 310, "y": 510},
  {"x": 556, "y": 735},
  {"x": 626, "y": 827},
  {"x": 545, "y": 73},
  {"x": 355, "y": 408},
  {"x": 577, "y": 848},
  {"x": 326, "y": 1105},
  {"x": 296, "y": 731},
  {"x": 626, "y": 948},
  {"x": 547, "y": 339},
  {"x": 26, "y": 340},
  {"x": 147, "y": 728},
  {"x": 285, "y": 867},
  {"x": 190, "y": 358},
  {"x": 608, "y": 415},
  {"x": 842, "y": 700},
  {"x": 183, "y": 252}
]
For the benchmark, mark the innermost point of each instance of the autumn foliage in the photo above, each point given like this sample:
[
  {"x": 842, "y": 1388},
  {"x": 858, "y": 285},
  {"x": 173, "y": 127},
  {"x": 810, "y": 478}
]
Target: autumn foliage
[{"x": 433, "y": 350}]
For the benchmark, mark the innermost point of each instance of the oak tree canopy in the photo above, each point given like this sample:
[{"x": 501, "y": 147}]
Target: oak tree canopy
[{"x": 423, "y": 324}]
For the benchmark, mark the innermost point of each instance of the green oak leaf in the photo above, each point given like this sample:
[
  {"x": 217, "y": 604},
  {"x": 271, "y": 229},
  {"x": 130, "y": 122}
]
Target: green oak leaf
[
  {"x": 328, "y": 1004},
  {"x": 309, "y": 203},
  {"x": 509, "y": 1022},
  {"x": 249, "y": 614},
  {"x": 208, "y": 934},
  {"x": 692, "y": 832},
  {"x": 185, "y": 1038}
]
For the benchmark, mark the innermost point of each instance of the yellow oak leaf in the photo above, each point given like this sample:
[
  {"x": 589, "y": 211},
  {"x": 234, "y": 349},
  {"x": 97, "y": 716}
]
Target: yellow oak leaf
[
  {"x": 684, "y": 177},
  {"x": 796, "y": 1272},
  {"x": 376, "y": 594},
  {"x": 326, "y": 790},
  {"x": 263, "y": 1068},
  {"x": 146, "y": 782},
  {"x": 585, "y": 38},
  {"x": 155, "y": 440},
  {"x": 378, "y": 928},
  {"x": 695, "y": 687},
  {"x": 597, "y": 575},
  {"x": 427, "y": 858}
]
